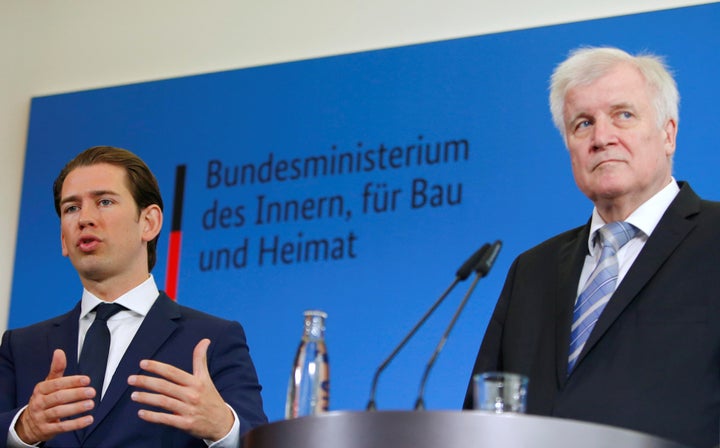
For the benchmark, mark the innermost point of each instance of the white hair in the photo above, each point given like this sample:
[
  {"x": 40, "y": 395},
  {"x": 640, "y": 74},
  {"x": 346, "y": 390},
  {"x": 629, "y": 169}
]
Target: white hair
[{"x": 585, "y": 65}]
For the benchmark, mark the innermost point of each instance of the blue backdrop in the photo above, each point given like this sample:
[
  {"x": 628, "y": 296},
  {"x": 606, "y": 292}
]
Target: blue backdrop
[{"x": 396, "y": 229}]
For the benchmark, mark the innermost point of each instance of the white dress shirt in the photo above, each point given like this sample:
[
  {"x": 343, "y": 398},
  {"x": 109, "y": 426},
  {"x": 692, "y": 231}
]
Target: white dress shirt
[
  {"x": 122, "y": 325},
  {"x": 645, "y": 218}
]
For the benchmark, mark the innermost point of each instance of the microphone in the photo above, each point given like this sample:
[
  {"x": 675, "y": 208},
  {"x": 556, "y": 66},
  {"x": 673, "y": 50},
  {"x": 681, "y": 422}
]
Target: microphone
[
  {"x": 481, "y": 270},
  {"x": 462, "y": 274}
]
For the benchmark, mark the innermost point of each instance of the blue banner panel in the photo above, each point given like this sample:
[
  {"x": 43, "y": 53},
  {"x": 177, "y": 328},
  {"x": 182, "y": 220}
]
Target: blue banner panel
[{"x": 354, "y": 184}]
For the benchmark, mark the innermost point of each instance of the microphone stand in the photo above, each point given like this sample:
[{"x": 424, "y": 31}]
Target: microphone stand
[
  {"x": 462, "y": 274},
  {"x": 481, "y": 270}
]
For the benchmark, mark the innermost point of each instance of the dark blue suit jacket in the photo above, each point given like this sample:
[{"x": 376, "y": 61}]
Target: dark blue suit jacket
[
  {"x": 168, "y": 334},
  {"x": 652, "y": 362}
]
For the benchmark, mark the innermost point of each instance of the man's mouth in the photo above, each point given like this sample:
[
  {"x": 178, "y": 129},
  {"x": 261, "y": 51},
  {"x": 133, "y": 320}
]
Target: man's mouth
[
  {"x": 607, "y": 162},
  {"x": 88, "y": 244}
]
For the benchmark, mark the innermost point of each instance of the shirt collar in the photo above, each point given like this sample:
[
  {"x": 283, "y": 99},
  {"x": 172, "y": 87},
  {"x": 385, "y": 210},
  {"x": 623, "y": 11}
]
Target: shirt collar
[
  {"x": 139, "y": 299},
  {"x": 645, "y": 218}
]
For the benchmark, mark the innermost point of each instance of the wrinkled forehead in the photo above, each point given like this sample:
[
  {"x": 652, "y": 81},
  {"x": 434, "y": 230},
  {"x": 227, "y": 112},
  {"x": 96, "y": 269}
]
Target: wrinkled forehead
[
  {"x": 622, "y": 87},
  {"x": 619, "y": 71}
]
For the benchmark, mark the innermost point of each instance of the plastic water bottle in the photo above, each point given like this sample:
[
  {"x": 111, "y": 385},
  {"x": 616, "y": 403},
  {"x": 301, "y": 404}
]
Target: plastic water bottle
[{"x": 309, "y": 386}]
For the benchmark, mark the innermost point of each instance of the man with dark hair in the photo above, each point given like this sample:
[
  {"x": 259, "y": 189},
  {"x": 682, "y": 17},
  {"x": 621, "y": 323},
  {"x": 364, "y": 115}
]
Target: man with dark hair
[
  {"x": 169, "y": 376},
  {"x": 618, "y": 321}
]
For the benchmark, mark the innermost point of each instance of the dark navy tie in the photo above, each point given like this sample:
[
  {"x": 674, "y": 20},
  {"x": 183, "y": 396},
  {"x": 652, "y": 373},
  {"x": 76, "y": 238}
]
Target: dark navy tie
[{"x": 94, "y": 355}]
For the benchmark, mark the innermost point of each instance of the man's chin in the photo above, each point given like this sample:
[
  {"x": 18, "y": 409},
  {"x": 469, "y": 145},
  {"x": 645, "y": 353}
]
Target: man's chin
[
  {"x": 607, "y": 185},
  {"x": 90, "y": 269},
  {"x": 605, "y": 192}
]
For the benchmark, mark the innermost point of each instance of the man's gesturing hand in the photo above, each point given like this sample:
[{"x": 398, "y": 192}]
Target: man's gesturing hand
[
  {"x": 193, "y": 403},
  {"x": 53, "y": 402}
]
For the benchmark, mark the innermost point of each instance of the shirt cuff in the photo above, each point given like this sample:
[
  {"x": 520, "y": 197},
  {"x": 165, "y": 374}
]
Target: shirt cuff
[
  {"x": 13, "y": 440},
  {"x": 231, "y": 439}
]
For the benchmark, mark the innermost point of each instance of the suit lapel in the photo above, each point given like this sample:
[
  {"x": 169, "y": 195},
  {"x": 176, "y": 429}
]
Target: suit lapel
[
  {"x": 572, "y": 257},
  {"x": 669, "y": 233},
  {"x": 64, "y": 335},
  {"x": 156, "y": 328}
]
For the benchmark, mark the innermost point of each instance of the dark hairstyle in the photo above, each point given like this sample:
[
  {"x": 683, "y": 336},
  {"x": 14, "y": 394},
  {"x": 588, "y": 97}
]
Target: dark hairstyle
[{"x": 140, "y": 181}]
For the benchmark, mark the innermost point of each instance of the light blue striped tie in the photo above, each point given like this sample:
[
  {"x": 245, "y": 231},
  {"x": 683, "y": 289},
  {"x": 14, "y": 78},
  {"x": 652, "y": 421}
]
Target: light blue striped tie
[{"x": 599, "y": 286}]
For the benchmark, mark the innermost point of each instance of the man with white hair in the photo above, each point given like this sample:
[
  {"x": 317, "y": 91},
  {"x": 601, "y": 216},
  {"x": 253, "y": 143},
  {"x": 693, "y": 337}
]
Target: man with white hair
[{"x": 618, "y": 321}]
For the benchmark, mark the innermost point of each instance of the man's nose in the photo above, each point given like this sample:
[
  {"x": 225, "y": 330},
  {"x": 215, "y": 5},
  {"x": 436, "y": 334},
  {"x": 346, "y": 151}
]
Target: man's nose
[
  {"x": 87, "y": 216},
  {"x": 604, "y": 133}
]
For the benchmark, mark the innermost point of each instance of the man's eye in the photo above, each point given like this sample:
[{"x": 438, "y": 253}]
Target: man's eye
[
  {"x": 105, "y": 202},
  {"x": 70, "y": 209},
  {"x": 583, "y": 124}
]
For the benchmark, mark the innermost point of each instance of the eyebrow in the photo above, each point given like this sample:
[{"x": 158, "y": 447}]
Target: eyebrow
[
  {"x": 623, "y": 105},
  {"x": 613, "y": 108},
  {"x": 94, "y": 193}
]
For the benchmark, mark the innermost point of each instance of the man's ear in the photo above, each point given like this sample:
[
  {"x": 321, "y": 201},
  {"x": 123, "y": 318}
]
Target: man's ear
[
  {"x": 151, "y": 219},
  {"x": 670, "y": 130},
  {"x": 63, "y": 245}
]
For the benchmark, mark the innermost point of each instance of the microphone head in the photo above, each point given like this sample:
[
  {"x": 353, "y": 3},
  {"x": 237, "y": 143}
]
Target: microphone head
[
  {"x": 488, "y": 259},
  {"x": 469, "y": 266}
]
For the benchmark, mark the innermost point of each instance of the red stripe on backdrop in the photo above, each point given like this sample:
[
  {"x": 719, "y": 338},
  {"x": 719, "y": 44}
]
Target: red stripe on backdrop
[{"x": 173, "y": 264}]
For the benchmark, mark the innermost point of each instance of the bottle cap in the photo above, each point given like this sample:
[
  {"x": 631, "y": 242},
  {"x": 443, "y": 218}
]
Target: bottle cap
[{"x": 317, "y": 313}]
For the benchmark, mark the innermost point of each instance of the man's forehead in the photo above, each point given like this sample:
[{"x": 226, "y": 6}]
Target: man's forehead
[
  {"x": 609, "y": 94},
  {"x": 102, "y": 177},
  {"x": 620, "y": 75}
]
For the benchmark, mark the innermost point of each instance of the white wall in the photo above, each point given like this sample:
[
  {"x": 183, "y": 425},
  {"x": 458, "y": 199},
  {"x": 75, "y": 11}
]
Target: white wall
[{"x": 54, "y": 46}]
